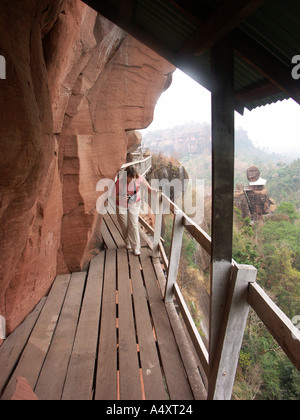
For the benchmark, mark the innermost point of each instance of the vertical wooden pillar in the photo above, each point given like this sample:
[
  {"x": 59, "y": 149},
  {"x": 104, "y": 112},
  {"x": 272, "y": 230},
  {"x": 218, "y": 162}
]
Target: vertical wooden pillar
[
  {"x": 223, "y": 183},
  {"x": 158, "y": 224},
  {"x": 175, "y": 254},
  {"x": 222, "y": 374}
]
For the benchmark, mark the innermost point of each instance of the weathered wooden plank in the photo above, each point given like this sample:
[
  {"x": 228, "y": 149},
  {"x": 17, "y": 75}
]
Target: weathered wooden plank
[
  {"x": 146, "y": 225},
  {"x": 189, "y": 359},
  {"x": 224, "y": 365},
  {"x": 151, "y": 369},
  {"x": 226, "y": 18},
  {"x": 115, "y": 221},
  {"x": 164, "y": 257},
  {"x": 107, "y": 237},
  {"x": 106, "y": 379},
  {"x": 193, "y": 332},
  {"x": 127, "y": 8},
  {"x": 36, "y": 349},
  {"x": 201, "y": 237},
  {"x": 169, "y": 205},
  {"x": 114, "y": 231},
  {"x": 175, "y": 255},
  {"x": 52, "y": 377},
  {"x": 279, "y": 325},
  {"x": 158, "y": 225},
  {"x": 160, "y": 273},
  {"x": 223, "y": 182},
  {"x": 266, "y": 63},
  {"x": 195, "y": 339},
  {"x": 137, "y": 163},
  {"x": 80, "y": 376},
  {"x": 11, "y": 350},
  {"x": 130, "y": 381},
  {"x": 148, "y": 228},
  {"x": 113, "y": 215},
  {"x": 79, "y": 385},
  {"x": 177, "y": 383},
  {"x": 145, "y": 240},
  {"x": 198, "y": 234}
]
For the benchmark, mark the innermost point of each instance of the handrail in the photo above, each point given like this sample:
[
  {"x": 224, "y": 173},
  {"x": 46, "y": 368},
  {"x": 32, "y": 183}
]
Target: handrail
[
  {"x": 279, "y": 325},
  {"x": 193, "y": 332},
  {"x": 198, "y": 234},
  {"x": 143, "y": 168},
  {"x": 244, "y": 291}
]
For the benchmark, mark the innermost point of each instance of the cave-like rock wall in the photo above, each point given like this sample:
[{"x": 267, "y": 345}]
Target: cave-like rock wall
[{"x": 76, "y": 87}]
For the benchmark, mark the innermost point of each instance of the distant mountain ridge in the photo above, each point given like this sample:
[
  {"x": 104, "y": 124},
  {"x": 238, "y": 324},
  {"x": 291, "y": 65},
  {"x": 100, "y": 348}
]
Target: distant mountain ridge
[
  {"x": 188, "y": 139},
  {"x": 191, "y": 145}
]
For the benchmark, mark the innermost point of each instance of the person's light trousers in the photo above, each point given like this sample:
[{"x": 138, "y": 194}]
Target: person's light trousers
[{"x": 129, "y": 223}]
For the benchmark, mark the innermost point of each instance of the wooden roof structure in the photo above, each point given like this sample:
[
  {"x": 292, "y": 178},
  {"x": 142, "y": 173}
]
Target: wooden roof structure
[{"x": 265, "y": 36}]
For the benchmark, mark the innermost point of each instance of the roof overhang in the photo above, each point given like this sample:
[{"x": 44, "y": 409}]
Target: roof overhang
[{"x": 265, "y": 35}]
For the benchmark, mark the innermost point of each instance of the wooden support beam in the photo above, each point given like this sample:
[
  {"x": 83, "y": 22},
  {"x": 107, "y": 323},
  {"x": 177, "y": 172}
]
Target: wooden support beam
[
  {"x": 197, "y": 233},
  {"x": 223, "y": 182},
  {"x": 224, "y": 365},
  {"x": 131, "y": 27},
  {"x": 193, "y": 332},
  {"x": 227, "y": 17},
  {"x": 158, "y": 225},
  {"x": 267, "y": 64},
  {"x": 175, "y": 253},
  {"x": 256, "y": 92},
  {"x": 279, "y": 325},
  {"x": 207, "y": 36},
  {"x": 127, "y": 8}
]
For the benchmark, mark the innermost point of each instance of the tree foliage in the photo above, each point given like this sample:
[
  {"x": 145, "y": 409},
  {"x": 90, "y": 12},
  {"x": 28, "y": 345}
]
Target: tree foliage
[{"x": 273, "y": 247}]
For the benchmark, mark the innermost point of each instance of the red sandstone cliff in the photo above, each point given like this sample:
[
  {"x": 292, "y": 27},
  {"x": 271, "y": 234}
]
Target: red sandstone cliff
[{"x": 76, "y": 84}]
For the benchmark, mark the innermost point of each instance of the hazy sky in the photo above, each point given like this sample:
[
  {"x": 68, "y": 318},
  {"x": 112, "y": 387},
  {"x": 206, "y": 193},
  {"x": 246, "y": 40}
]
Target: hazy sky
[{"x": 276, "y": 127}]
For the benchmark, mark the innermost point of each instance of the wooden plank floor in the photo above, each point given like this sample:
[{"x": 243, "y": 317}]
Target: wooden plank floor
[
  {"x": 112, "y": 234},
  {"x": 103, "y": 335}
]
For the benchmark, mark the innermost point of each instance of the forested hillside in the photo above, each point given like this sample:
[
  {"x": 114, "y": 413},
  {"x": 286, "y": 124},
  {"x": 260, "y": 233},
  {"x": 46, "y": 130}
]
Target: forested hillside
[
  {"x": 273, "y": 247},
  {"x": 284, "y": 182}
]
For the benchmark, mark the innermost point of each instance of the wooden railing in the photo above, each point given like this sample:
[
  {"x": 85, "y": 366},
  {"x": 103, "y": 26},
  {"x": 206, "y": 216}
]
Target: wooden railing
[
  {"x": 219, "y": 373},
  {"x": 143, "y": 165}
]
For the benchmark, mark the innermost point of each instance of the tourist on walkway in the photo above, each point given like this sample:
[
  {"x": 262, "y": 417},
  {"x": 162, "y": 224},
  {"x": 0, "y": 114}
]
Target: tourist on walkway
[{"x": 128, "y": 201}]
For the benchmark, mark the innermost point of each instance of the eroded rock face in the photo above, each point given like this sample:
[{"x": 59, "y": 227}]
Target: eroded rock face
[
  {"x": 30, "y": 197},
  {"x": 75, "y": 84}
]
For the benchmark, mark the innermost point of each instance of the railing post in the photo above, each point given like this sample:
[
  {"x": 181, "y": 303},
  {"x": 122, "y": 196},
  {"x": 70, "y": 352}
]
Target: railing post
[
  {"x": 224, "y": 364},
  {"x": 174, "y": 258},
  {"x": 158, "y": 224}
]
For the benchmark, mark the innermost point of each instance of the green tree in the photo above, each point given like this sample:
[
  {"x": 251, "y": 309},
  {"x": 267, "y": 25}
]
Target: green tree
[
  {"x": 288, "y": 209},
  {"x": 273, "y": 246}
]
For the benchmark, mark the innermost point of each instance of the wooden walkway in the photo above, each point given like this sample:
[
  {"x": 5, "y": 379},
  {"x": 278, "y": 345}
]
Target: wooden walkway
[{"x": 103, "y": 335}]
